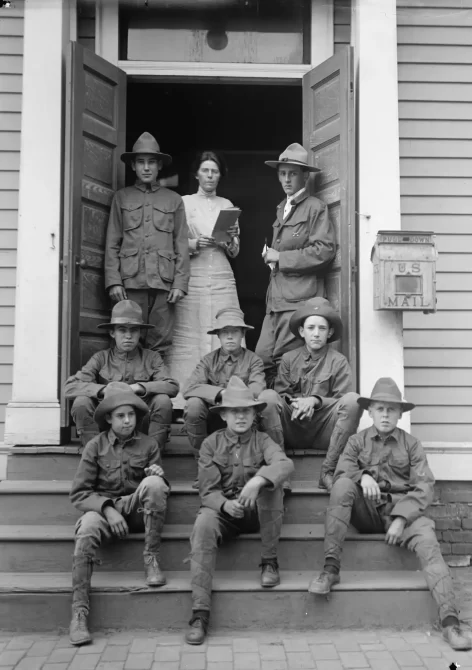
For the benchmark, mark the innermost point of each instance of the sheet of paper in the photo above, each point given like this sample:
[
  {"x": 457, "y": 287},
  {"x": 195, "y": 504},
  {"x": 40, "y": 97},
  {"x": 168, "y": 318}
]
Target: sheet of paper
[
  {"x": 226, "y": 219},
  {"x": 264, "y": 251}
]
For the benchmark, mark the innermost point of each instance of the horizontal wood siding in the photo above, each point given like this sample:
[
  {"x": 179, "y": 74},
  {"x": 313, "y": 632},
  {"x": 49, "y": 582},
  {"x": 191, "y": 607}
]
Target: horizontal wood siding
[
  {"x": 435, "y": 112},
  {"x": 11, "y": 69},
  {"x": 342, "y": 24}
]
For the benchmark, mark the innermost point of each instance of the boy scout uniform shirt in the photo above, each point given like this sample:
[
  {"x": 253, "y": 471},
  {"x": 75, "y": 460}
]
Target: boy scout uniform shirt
[
  {"x": 228, "y": 461},
  {"x": 306, "y": 242},
  {"x": 398, "y": 461},
  {"x": 147, "y": 240},
  {"x": 325, "y": 374},
  {"x": 215, "y": 370},
  {"x": 141, "y": 366},
  {"x": 110, "y": 469}
]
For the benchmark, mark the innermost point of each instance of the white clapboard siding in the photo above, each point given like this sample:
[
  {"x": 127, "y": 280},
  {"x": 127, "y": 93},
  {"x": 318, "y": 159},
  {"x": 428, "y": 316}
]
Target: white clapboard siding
[
  {"x": 11, "y": 68},
  {"x": 342, "y": 24},
  {"x": 435, "y": 114}
]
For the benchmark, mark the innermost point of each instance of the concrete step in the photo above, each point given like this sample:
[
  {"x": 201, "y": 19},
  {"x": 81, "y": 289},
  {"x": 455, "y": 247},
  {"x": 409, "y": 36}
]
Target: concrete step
[
  {"x": 47, "y": 502},
  {"x": 39, "y": 602},
  {"x": 41, "y": 463},
  {"x": 29, "y": 548}
]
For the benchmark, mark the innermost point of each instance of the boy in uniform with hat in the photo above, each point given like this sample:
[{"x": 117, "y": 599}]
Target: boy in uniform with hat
[
  {"x": 211, "y": 376},
  {"x": 128, "y": 362},
  {"x": 383, "y": 483},
  {"x": 119, "y": 486},
  {"x": 240, "y": 475},
  {"x": 316, "y": 406},
  {"x": 302, "y": 248},
  {"x": 146, "y": 253}
]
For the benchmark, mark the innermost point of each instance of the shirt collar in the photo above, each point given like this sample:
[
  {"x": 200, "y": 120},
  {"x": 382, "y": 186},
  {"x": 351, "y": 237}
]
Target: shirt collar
[
  {"x": 127, "y": 355},
  {"x": 233, "y": 438},
  {"x": 230, "y": 356},
  {"x": 392, "y": 437},
  {"x": 154, "y": 186},
  {"x": 114, "y": 439},
  {"x": 296, "y": 198},
  {"x": 315, "y": 355}
]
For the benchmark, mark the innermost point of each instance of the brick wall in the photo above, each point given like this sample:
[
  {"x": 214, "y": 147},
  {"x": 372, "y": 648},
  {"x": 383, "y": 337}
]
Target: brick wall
[{"x": 452, "y": 513}]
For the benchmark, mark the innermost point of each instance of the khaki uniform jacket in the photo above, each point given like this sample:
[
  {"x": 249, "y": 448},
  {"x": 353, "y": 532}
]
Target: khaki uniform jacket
[
  {"x": 110, "y": 469},
  {"x": 215, "y": 370},
  {"x": 141, "y": 366},
  {"x": 306, "y": 242},
  {"x": 325, "y": 374},
  {"x": 398, "y": 464},
  {"x": 147, "y": 240},
  {"x": 228, "y": 461}
]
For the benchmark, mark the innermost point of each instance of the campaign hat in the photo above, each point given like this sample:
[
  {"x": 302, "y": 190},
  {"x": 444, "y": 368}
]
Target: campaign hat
[
  {"x": 385, "y": 390},
  {"x": 146, "y": 144},
  {"x": 317, "y": 307},
  {"x": 229, "y": 316},
  {"x": 237, "y": 394},
  {"x": 117, "y": 394},
  {"x": 126, "y": 313},
  {"x": 294, "y": 154}
]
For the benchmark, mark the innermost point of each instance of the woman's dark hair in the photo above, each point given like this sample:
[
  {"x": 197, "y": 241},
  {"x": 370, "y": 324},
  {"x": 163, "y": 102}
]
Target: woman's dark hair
[{"x": 209, "y": 155}]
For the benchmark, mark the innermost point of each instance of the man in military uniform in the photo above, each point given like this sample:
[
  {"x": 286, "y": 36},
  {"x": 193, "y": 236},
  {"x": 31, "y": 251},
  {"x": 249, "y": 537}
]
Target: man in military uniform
[
  {"x": 146, "y": 254},
  {"x": 383, "y": 484},
  {"x": 303, "y": 246},
  {"x": 240, "y": 472},
  {"x": 317, "y": 408},
  {"x": 126, "y": 361}
]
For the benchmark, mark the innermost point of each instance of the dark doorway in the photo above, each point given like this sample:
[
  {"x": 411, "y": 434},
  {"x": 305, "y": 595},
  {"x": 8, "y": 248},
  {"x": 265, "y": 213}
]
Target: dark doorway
[{"x": 248, "y": 123}]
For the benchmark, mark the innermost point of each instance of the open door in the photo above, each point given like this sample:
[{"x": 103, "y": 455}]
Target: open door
[
  {"x": 328, "y": 136},
  {"x": 94, "y": 139}
]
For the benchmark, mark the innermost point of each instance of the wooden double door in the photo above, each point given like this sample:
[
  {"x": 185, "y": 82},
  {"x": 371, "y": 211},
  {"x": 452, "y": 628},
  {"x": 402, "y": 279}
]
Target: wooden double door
[{"x": 95, "y": 139}]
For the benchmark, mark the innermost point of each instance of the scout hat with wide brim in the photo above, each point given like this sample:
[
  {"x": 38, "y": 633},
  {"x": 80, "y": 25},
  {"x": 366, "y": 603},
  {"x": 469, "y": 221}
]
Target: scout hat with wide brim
[
  {"x": 146, "y": 144},
  {"x": 115, "y": 395},
  {"x": 385, "y": 390},
  {"x": 317, "y": 307},
  {"x": 237, "y": 394},
  {"x": 294, "y": 154},
  {"x": 229, "y": 316},
  {"x": 126, "y": 313}
]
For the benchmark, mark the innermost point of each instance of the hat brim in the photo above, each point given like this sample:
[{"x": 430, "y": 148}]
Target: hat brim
[
  {"x": 215, "y": 331},
  {"x": 125, "y": 323},
  {"x": 129, "y": 156},
  {"x": 298, "y": 318},
  {"x": 109, "y": 404},
  {"x": 275, "y": 164},
  {"x": 258, "y": 406},
  {"x": 365, "y": 402}
]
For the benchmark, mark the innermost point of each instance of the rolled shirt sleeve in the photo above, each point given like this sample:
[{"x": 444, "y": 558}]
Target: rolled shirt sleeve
[
  {"x": 161, "y": 382},
  {"x": 85, "y": 381},
  {"x": 197, "y": 385},
  {"x": 278, "y": 467}
]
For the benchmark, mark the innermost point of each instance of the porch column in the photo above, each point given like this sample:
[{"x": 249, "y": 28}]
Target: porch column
[
  {"x": 374, "y": 36},
  {"x": 33, "y": 416}
]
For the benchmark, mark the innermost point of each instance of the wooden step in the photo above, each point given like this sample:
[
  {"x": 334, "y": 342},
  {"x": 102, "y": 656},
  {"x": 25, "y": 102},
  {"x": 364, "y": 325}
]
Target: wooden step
[
  {"x": 38, "y": 602},
  {"x": 60, "y": 463},
  {"x": 47, "y": 502},
  {"x": 30, "y": 548}
]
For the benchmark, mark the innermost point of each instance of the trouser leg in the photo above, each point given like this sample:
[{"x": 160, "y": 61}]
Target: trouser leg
[
  {"x": 270, "y": 510},
  {"x": 297, "y": 434},
  {"x": 265, "y": 348},
  {"x": 159, "y": 313},
  {"x": 209, "y": 530},
  {"x": 346, "y": 504},
  {"x": 270, "y": 421},
  {"x": 343, "y": 422},
  {"x": 285, "y": 340},
  {"x": 90, "y": 531},
  {"x": 160, "y": 408},
  {"x": 420, "y": 537},
  {"x": 82, "y": 411},
  {"x": 195, "y": 418}
]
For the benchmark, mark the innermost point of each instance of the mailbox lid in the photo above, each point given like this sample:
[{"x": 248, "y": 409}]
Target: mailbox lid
[{"x": 399, "y": 244}]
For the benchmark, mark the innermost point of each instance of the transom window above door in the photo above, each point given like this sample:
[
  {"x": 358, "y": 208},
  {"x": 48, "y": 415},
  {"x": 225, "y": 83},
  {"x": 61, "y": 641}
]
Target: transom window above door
[{"x": 209, "y": 31}]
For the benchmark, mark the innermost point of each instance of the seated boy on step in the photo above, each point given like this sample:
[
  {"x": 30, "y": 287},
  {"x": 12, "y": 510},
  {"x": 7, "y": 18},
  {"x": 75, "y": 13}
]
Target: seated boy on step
[
  {"x": 119, "y": 486},
  {"x": 206, "y": 383},
  {"x": 125, "y": 361},
  {"x": 315, "y": 406},
  {"x": 383, "y": 484},
  {"x": 240, "y": 472}
]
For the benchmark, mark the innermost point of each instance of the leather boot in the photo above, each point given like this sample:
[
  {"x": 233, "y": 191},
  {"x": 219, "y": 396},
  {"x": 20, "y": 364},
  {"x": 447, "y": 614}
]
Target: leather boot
[
  {"x": 322, "y": 585},
  {"x": 198, "y": 627},
  {"x": 270, "y": 573},
  {"x": 78, "y": 631},
  {"x": 153, "y": 524}
]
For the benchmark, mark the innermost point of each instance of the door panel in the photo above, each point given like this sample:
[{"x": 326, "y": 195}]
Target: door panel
[
  {"x": 328, "y": 136},
  {"x": 95, "y": 138}
]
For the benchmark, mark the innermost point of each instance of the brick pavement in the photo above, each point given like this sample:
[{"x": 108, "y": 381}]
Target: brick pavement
[{"x": 323, "y": 650}]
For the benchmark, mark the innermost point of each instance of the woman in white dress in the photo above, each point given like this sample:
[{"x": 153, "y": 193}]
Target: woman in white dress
[{"x": 212, "y": 285}]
